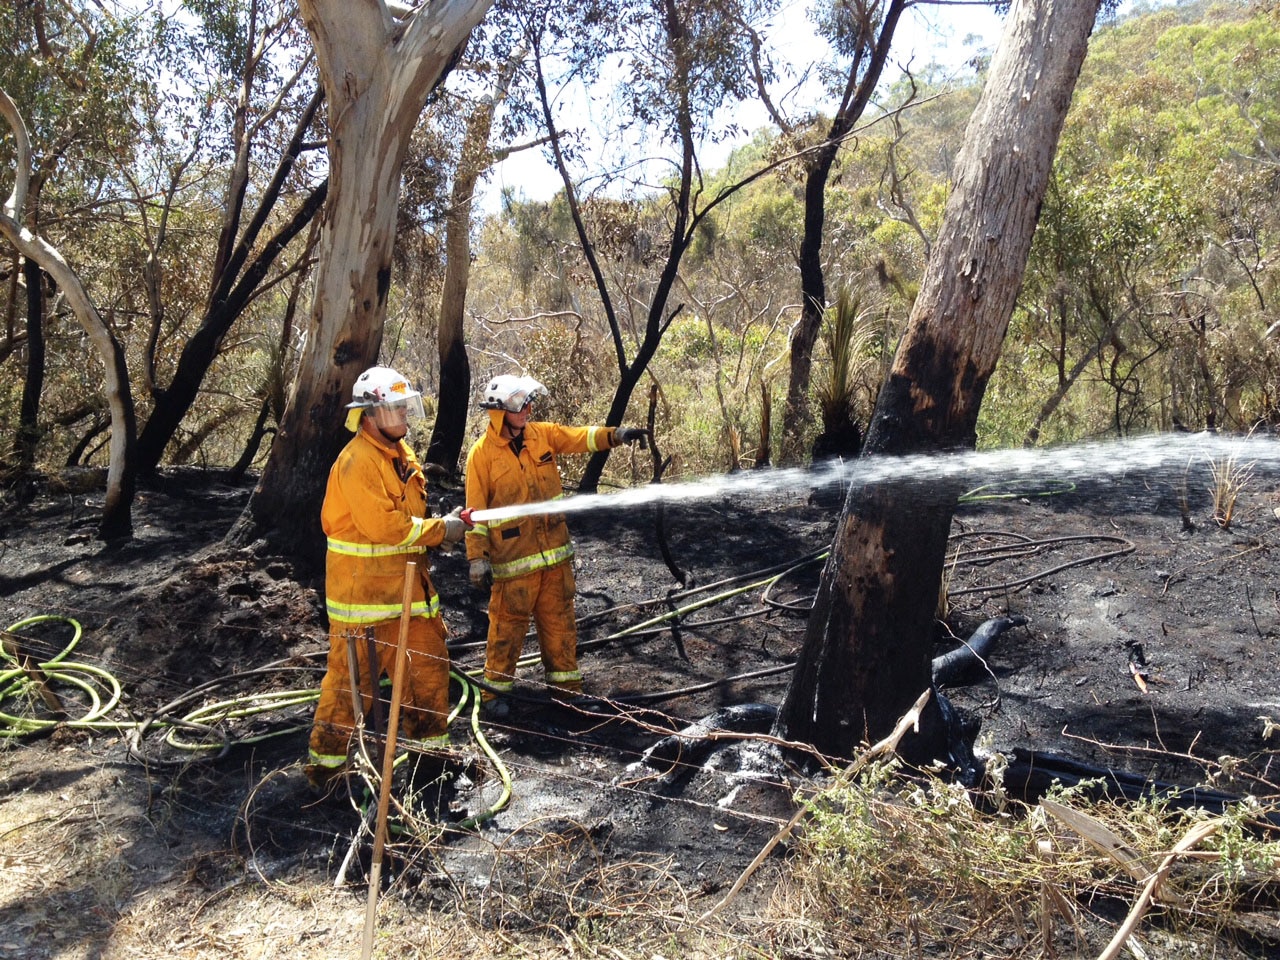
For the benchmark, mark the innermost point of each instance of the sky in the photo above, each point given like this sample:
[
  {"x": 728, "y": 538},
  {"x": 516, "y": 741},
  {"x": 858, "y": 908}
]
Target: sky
[{"x": 948, "y": 34}]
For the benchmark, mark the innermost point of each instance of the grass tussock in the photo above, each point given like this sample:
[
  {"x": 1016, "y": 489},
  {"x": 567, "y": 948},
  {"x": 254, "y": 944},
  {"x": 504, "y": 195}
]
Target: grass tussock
[
  {"x": 1228, "y": 480},
  {"x": 899, "y": 867}
]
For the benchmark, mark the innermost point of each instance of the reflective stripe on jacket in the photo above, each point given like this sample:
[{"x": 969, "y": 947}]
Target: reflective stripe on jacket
[
  {"x": 499, "y": 477},
  {"x": 374, "y": 516}
]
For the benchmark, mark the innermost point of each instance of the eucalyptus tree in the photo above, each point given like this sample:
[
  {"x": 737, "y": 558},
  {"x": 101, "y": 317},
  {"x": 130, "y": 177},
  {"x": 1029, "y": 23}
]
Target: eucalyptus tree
[
  {"x": 1146, "y": 300},
  {"x": 377, "y": 67},
  {"x": 1107, "y": 257},
  {"x": 117, "y": 520},
  {"x": 475, "y": 156},
  {"x": 1227, "y": 153},
  {"x": 680, "y": 65},
  {"x": 860, "y": 33},
  {"x": 70, "y": 77},
  {"x": 258, "y": 100},
  {"x": 868, "y": 646},
  {"x": 154, "y": 149}
]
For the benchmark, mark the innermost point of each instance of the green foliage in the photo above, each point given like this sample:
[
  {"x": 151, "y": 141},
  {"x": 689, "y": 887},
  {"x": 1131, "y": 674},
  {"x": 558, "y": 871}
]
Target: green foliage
[
  {"x": 884, "y": 855},
  {"x": 710, "y": 376},
  {"x": 847, "y": 331},
  {"x": 688, "y": 342},
  {"x": 1150, "y": 290},
  {"x": 1150, "y": 277},
  {"x": 76, "y": 95}
]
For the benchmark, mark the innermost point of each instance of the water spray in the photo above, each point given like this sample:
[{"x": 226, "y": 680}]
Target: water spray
[{"x": 1087, "y": 460}]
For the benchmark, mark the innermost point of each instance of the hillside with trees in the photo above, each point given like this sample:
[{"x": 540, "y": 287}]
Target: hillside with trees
[{"x": 1147, "y": 304}]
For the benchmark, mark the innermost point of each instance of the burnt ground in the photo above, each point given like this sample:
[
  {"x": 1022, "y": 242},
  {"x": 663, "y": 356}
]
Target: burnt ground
[{"x": 117, "y": 843}]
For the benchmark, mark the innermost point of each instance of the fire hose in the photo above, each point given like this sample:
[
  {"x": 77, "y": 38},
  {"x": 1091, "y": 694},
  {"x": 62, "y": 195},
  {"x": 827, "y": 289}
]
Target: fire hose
[{"x": 201, "y": 728}]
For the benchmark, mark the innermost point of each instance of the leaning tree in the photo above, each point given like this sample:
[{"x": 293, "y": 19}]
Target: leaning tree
[
  {"x": 867, "y": 650},
  {"x": 117, "y": 512}
]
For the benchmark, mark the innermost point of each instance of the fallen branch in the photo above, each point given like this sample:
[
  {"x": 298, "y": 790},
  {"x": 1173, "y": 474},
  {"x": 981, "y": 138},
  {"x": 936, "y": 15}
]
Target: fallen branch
[
  {"x": 909, "y": 721},
  {"x": 1194, "y": 836},
  {"x": 1101, "y": 838}
]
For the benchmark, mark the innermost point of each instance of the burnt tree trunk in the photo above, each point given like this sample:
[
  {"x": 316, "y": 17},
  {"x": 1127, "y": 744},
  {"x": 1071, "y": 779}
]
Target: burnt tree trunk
[
  {"x": 28, "y": 437},
  {"x": 868, "y": 646},
  {"x": 863, "y": 77},
  {"x": 450, "y": 428},
  {"x": 237, "y": 276},
  {"x": 682, "y": 218},
  {"x": 449, "y": 431}
]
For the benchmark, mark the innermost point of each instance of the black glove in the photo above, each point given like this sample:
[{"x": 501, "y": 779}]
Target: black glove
[{"x": 632, "y": 435}]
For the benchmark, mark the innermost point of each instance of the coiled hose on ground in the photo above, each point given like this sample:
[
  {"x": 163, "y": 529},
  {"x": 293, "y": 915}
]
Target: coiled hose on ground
[{"x": 197, "y": 727}]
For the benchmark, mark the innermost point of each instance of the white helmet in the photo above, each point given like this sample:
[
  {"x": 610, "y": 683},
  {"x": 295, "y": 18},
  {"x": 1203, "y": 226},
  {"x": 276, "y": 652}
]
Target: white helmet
[
  {"x": 384, "y": 387},
  {"x": 511, "y": 393}
]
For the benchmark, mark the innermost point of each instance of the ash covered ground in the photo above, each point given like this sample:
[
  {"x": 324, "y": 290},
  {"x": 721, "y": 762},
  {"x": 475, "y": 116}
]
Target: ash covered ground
[{"x": 1150, "y": 648}]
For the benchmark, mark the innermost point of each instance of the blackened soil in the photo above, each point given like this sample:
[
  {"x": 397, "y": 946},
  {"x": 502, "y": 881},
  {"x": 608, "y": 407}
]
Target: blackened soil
[{"x": 1150, "y": 649}]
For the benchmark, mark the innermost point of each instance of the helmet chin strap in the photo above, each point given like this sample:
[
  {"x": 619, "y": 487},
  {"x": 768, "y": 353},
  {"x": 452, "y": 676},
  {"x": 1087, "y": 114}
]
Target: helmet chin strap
[{"x": 512, "y": 434}]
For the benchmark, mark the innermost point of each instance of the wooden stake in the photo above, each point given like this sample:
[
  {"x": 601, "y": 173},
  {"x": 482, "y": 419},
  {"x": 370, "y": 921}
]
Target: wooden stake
[
  {"x": 353, "y": 669},
  {"x": 388, "y": 762},
  {"x": 13, "y": 646}
]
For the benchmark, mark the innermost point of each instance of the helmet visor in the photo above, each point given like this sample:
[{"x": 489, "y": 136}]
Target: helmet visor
[
  {"x": 523, "y": 392},
  {"x": 518, "y": 401},
  {"x": 412, "y": 405}
]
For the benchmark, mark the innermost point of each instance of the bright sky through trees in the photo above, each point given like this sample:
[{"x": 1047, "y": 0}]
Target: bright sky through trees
[{"x": 949, "y": 34}]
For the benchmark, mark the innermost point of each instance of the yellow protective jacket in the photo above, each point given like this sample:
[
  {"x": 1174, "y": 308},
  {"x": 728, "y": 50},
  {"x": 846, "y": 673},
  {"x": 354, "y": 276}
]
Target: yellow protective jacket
[
  {"x": 375, "y": 518},
  {"x": 499, "y": 477}
]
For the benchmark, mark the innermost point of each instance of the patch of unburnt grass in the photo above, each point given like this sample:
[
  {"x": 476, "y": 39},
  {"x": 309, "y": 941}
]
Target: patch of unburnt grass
[{"x": 913, "y": 866}]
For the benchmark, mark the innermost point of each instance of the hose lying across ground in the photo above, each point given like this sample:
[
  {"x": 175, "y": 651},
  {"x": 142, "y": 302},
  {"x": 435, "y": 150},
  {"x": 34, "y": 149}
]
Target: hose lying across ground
[
  {"x": 198, "y": 725},
  {"x": 25, "y": 680}
]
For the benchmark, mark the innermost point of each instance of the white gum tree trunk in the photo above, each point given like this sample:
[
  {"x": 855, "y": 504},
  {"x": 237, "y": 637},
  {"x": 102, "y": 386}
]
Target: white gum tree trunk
[
  {"x": 377, "y": 69},
  {"x": 117, "y": 514}
]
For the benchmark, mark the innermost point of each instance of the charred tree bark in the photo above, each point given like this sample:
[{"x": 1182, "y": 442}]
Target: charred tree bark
[
  {"x": 260, "y": 431},
  {"x": 273, "y": 401},
  {"x": 236, "y": 279},
  {"x": 28, "y": 437},
  {"x": 875, "y": 37},
  {"x": 202, "y": 349},
  {"x": 867, "y": 651},
  {"x": 450, "y": 429}
]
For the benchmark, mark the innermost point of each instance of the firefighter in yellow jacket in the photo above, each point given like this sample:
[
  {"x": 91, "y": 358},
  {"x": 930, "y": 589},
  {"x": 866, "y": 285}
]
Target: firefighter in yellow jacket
[
  {"x": 376, "y": 519},
  {"x": 526, "y": 561}
]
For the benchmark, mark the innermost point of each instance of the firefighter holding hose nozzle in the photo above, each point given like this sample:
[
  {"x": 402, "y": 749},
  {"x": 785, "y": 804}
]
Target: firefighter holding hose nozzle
[
  {"x": 376, "y": 519},
  {"x": 526, "y": 562}
]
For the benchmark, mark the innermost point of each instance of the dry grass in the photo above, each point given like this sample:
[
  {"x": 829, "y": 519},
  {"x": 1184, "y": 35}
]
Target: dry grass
[
  {"x": 71, "y": 886},
  {"x": 907, "y": 869},
  {"x": 1228, "y": 479},
  {"x": 885, "y": 864}
]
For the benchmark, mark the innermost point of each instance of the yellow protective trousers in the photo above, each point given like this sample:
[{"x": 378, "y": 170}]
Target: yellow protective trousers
[
  {"x": 546, "y": 595},
  {"x": 424, "y": 696}
]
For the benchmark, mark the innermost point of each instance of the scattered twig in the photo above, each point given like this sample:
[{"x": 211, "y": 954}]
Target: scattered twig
[
  {"x": 910, "y": 720},
  {"x": 1253, "y": 614},
  {"x": 1201, "y": 831}
]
